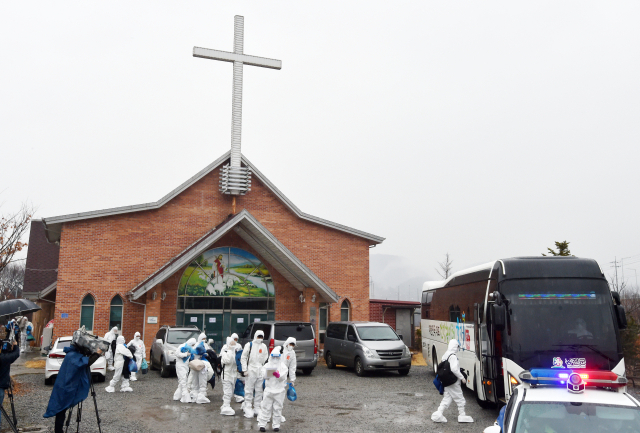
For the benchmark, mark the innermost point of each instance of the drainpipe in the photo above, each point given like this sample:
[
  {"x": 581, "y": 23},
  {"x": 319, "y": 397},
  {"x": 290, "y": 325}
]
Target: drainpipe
[
  {"x": 384, "y": 310},
  {"x": 144, "y": 316}
]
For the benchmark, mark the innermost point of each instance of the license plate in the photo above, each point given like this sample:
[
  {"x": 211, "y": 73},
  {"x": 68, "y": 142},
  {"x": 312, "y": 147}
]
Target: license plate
[{"x": 393, "y": 364}]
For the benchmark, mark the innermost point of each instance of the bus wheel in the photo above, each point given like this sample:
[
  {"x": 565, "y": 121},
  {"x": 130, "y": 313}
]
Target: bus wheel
[{"x": 434, "y": 360}]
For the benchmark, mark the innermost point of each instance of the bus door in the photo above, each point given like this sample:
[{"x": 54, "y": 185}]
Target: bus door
[{"x": 489, "y": 380}]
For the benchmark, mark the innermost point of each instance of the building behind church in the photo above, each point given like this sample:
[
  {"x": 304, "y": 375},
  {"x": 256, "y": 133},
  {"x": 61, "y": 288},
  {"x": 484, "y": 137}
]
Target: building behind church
[{"x": 197, "y": 258}]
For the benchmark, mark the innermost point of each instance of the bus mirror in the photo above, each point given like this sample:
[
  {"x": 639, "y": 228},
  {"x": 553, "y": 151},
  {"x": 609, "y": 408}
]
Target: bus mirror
[
  {"x": 499, "y": 316},
  {"x": 497, "y": 297},
  {"x": 616, "y": 297},
  {"x": 621, "y": 316}
]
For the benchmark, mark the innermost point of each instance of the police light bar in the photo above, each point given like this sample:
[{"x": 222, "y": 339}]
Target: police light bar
[{"x": 559, "y": 377}]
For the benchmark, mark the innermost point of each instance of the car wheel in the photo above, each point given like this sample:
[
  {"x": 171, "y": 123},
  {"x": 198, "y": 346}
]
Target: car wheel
[
  {"x": 98, "y": 378},
  {"x": 404, "y": 371},
  {"x": 307, "y": 371},
  {"x": 359, "y": 367},
  {"x": 329, "y": 359},
  {"x": 50, "y": 380},
  {"x": 434, "y": 361},
  {"x": 164, "y": 369},
  {"x": 152, "y": 366}
]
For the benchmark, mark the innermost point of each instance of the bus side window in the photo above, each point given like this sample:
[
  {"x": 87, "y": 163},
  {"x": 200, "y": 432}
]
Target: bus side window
[
  {"x": 426, "y": 304},
  {"x": 454, "y": 314}
]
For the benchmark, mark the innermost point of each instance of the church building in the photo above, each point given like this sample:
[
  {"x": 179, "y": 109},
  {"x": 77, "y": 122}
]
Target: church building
[
  {"x": 191, "y": 259},
  {"x": 224, "y": 249}
]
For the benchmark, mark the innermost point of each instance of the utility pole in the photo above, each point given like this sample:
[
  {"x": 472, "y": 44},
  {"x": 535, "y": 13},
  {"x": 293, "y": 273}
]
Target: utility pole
[
  {"x": 622, "y": 266},
  {"x": 615, "y": 266}
]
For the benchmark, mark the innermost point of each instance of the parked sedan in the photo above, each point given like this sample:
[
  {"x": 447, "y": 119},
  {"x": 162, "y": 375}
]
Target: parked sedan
[{"x": 56, "y": 356}]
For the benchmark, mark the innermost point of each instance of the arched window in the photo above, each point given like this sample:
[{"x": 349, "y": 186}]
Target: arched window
[
  {"x": 86, "y": 313},
  {"x": 345, "y": 311},
  {"x": 115, "y": 316}
]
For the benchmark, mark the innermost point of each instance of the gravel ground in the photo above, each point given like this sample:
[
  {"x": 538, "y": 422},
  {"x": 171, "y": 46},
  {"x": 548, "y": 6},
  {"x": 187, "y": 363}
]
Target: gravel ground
[{"x": 328, "y": 400}]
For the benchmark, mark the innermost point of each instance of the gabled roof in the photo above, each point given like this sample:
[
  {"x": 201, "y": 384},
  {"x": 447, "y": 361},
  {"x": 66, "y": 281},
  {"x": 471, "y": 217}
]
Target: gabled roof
[
  {"x": 260, "y": 239},
  {"x": 54, "y": 224}
]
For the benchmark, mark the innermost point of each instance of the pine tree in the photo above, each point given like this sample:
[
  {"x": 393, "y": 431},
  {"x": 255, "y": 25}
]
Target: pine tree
[{"x": 563, "y": 249}]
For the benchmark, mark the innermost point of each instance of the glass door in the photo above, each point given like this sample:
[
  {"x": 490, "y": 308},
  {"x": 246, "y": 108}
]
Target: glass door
[
  {"x": 213, "y": 327},
  {"x": 191, "y": 319},
  {"x": 239, "y": 323}
]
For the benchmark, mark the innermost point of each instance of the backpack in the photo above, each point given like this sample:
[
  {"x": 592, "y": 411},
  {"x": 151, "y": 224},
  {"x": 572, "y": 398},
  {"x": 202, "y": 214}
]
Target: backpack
[{"x": 444, "y": 374}]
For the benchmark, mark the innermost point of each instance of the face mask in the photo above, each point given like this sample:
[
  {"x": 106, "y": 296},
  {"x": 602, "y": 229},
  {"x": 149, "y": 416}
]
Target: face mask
[
  {"x": 258, "y": 340},
  {"x": 291, "y": 347}
]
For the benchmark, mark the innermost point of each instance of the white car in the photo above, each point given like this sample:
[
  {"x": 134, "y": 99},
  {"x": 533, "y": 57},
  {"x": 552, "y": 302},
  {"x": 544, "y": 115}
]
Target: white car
[
  {"x": 573, "y": 404},
  {"x": 56, "y": 356}
]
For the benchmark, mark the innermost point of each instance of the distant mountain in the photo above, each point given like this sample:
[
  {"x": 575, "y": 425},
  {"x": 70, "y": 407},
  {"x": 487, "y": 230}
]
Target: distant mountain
[{"x": 397, "y": 276}]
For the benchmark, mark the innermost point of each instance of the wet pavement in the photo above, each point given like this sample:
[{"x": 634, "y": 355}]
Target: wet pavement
[{"x": 328, "y": 400}]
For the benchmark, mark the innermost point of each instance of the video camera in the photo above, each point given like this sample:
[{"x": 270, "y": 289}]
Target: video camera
[
  {"x": 88, "y": 344},
  {"x": 11, "y": 335}
]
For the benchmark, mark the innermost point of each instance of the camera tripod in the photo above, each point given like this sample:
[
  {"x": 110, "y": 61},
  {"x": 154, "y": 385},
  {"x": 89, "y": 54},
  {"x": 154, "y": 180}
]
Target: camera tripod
[{"x": 79, "y": 406}]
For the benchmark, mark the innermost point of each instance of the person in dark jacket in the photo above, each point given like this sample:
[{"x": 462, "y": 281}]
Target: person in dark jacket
[
  {"x": 72, "y": 384},
  {"x": 7, "y": 357}
]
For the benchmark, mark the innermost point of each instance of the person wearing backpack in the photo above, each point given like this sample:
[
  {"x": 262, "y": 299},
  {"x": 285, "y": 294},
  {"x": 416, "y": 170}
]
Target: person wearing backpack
[
  {"x": 254, "y": 356},
  {"x": 450, "y": 368}
]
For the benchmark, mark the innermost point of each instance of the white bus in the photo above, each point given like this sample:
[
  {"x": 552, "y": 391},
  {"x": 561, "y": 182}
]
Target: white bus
[{"x": 521, "y": 313}]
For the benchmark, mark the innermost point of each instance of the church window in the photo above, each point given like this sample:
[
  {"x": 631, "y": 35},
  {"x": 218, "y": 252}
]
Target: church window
[
  {"x": 115, "y": 316},
  {"x": 86, "y": 313},
  {"x": 345, "y": 311}
]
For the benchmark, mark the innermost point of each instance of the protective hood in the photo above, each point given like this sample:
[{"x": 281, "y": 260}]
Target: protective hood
[
  {"x": 114, "y": 329},
  {"x": 258, "y": 335},
  {"x": 120, "y": 340},
  {"x": 234, "y": 336},
  {"x": 231, "y": 342},
  {"x": 274, "y": 358},
  {"x": 202, "y": 337},
  {"x": 451, "y": 350},
  {"x": 288, "y": 342},
  {"x": 136, "y": 336},
  {"x": 191, "y": 342}
]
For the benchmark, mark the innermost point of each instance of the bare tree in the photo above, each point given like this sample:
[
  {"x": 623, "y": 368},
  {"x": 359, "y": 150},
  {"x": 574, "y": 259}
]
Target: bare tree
[
  {"x": 12, "y": 228},
  {"x": 629, "y": 297},
  {"x": 445, "y": 267},
  {"x": 12, "y": 281}
]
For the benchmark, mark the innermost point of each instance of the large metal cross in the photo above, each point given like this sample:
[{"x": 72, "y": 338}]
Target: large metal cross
[{"x": 236, "y": 180}]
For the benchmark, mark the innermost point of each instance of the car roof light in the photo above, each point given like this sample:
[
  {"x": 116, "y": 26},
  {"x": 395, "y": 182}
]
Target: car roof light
[{"x": 559, "y": 377}]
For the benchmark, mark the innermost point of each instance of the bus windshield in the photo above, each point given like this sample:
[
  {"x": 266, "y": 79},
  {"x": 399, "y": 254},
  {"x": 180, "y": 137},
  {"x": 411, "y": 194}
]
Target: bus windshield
[{"x": 561, "y": 323}]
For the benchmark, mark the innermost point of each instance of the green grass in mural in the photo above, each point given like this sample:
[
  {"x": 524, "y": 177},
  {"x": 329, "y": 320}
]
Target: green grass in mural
[{"x": 197, "y": 286}]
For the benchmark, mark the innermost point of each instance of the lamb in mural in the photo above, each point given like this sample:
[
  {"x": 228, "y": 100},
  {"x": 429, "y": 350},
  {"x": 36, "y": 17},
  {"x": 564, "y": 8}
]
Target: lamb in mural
[{"x": 219, "y": 283}]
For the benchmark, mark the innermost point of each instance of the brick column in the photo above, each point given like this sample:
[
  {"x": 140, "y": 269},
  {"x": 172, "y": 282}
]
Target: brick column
[{"x": 153, "y": 310}]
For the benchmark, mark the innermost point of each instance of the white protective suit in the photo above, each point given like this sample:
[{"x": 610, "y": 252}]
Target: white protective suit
[
  {"x": 239, "y": 398},
  {"x": 274, "y": 391},
  {"x": 23, "y": 322},
  {"x": 139, "y": 354},
  {"x": 290, "y": 361},
  {"x": 182, "y": 370},
  {"x": 229, "y": 375},
  {"x": 110, "y": 336},
  {"x": 197, "y": 381},
  {"x": 118, "y": 362},
  {"x": 453, "y": 392},
  {"x": 254, "y": 356}
]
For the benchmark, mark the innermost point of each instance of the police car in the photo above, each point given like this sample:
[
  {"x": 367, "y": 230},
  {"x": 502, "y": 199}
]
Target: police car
[{"x": 566, "y": 401}]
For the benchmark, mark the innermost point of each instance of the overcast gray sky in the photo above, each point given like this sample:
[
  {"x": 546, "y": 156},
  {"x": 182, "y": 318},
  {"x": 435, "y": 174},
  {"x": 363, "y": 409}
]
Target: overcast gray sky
[{"x": 485, "y": 129}]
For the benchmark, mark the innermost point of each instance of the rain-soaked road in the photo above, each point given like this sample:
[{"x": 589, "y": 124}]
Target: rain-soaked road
[{"x": 328, "y": 400}]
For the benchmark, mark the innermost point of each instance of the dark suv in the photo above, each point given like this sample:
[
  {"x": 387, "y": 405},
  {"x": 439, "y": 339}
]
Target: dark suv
[
  {"x": 276, "y": 333},
  {"x": 167, "y": 341}
]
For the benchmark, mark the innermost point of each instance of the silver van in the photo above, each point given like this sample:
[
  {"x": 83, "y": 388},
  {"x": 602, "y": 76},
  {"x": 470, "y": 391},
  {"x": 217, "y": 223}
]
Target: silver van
[
  {"x": 276, "y": 333},
  {"x": 164, "y": 346},
  {"x": 366, "y": 346}
]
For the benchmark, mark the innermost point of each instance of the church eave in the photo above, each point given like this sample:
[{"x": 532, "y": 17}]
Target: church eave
[{"x": 53, "y": 225}]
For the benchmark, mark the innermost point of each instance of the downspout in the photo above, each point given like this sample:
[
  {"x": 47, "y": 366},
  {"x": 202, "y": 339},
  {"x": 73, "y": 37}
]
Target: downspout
[
  {"x": 144, "y": 317},
  {"x": 384, "y": 310}
]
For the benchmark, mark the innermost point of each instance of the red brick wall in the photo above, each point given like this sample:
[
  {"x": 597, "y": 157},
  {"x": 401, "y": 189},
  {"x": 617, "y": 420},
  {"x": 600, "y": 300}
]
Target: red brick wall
[
  {"x": 110, "y": 255},
  {"x": 375, "y": 314}
]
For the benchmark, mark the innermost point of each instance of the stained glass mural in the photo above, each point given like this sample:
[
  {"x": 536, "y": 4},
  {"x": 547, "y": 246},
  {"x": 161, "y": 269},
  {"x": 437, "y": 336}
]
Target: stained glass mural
[{"x": 226, "y": 271}]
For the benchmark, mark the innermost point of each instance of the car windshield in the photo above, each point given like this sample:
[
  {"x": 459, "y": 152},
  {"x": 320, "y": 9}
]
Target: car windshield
[
  {"x": 179, "y": 337},
  {"x": 62, "y": 344},
  {"x": 376, "y": 333},
  {"x": 299, "y": 331},
  {"x": 576, "y": 418},
  {"x": 560, "y": 322}
]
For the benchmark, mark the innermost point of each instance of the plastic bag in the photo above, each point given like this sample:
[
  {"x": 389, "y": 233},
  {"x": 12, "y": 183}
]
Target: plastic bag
[
  {"x": 292, "y": 395},
  {"x": 439, "y": 386},
  {"x": 239, "y": 390},
  {"x": 144, "y": 367},
  {"x": 133, "y": 367}
]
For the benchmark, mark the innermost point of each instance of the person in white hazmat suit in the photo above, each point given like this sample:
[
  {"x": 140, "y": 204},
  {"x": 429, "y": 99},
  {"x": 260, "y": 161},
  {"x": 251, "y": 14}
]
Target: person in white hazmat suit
[
  {"x": 229, "y": 375},
  {"x": 452, "y": 392},
  {"x": 184, "y": 354},
  {"x": 110, "y": 336},
  {"x": 239, "y": 398},
  {"x": 197, "y": 381},
  {"x": 118, "y": 362},
  {"x": 139, "y": 354},
  {"x": 254, "y": 356},
  {"x": 23, "y": 323},
  {"x": 275, "y": 375},
  {"x": 290, "y": 361}
]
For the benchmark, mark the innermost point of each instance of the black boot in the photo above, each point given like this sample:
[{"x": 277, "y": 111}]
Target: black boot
[
  {"x": 263, "y": 429},
  {"x": 276, "y": 429}
]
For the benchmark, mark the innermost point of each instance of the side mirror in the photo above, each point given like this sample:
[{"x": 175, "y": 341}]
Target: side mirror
[
  {"x": 352, "y": 338},
  {"x": 616, "y": 297},
  {"x": 400, "y": 336},
  {"x": 492, "y": 429},
  {"x": 159, "y": 341},
  {"x": 499, "y": 313},
  {"x": 621, "y": 316}
]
